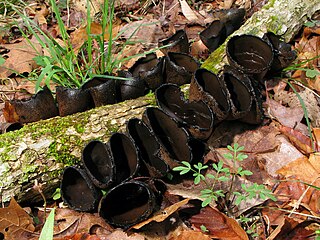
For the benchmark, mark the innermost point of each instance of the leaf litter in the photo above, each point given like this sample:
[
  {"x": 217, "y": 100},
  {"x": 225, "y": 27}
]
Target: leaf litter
[{"x": 280, "y": 154}]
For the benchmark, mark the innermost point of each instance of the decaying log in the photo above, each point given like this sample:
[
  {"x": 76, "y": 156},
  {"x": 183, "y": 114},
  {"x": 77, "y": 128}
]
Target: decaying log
[
  {"x": 282, "y": 17},
  {"x": 41, "y": 150}
]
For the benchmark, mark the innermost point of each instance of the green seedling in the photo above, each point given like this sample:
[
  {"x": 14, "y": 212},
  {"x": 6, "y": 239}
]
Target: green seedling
[
  {"x": 204, "y": 229},
  {"x": 224, "y": 174},
  {"x": 57, "y": 194},
  {"x": 311, "y": 23}
]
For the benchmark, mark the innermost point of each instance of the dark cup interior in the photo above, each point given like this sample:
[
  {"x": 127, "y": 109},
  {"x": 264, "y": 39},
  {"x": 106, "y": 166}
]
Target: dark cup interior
[
  {"x": 250, "y": 54},
  {"x": 127, "y": 204},
  {"x": 172, "y": 137},
  {"x": 239, "y": 94},
  {"x": 210, "y": 83},
  {"x": 148, "y": 146},
  {"x": 125, "y": 156},
  {"x": 171, "y": 99},
  {"x": 98, "y": 163},
  {"x": 78, "y": 191},
  {"x": 179, "y": 42}
]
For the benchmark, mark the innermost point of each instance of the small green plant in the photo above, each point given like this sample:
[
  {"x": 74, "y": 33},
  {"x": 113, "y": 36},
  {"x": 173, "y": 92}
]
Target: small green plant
[
  {"x": 204, "y": 229},
  {"x": 311, "y": 23},
  {"x": 251, "y": 229},
  {"x": 63, "y": 64},
  {"x": 305, "y": 113},
  {"x": 224, "y": 174},
  {"x": 310, "y": 72},
  {"x": 57, "y": 194}
]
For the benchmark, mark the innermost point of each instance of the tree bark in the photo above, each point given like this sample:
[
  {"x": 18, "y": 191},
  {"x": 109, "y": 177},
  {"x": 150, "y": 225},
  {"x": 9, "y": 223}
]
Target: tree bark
[{"x": 41, "y": 150}]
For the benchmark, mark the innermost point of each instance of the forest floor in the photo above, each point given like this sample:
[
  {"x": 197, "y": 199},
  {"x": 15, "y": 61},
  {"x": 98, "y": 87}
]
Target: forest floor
[{"x": 281, "y": 153}]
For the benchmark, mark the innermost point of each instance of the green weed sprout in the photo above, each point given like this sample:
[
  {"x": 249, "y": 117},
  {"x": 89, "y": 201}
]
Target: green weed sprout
[{"x": 224, "y": 174}]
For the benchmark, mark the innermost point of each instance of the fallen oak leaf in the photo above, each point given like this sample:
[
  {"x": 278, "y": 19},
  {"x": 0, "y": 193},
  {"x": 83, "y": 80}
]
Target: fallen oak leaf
[
  {"x": 15, "y": 223},
  {"x": 283, "y": 228},
  {"x": 187, "y": 11},
  {"x": 19, "y": 57},
  {"x": 71, "y": 222},
  {"x": 190, "y": 235},
  {"x": 299, "y": 140},
  {"x": 301, "y": 169},
  {"x": 80, "y": 236},
  {"x": 287, "y": 116},
  {"x": 79, "y": 36},
  {"x": 121, "y": 235},
  {"x": 305, "y": 184},
  {"x": 9, "y": 113},
  {"x": 218, "y": 225}
]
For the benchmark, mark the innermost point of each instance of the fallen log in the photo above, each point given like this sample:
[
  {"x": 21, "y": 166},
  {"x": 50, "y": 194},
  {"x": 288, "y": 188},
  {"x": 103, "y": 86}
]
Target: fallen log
[
  {"x": 281, "y": 17},
  {"x": 40, "y": 151}
]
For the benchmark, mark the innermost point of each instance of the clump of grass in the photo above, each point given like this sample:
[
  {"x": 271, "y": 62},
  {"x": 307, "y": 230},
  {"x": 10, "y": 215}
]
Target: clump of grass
[
  {"x": 70, "y": 68},
  {"x": 64, "y": 65}
]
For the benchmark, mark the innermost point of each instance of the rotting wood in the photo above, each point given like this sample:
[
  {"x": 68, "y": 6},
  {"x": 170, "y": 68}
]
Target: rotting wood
[
  {"x": 282, "y": 17},
  {"x": 41, "y": 150}
]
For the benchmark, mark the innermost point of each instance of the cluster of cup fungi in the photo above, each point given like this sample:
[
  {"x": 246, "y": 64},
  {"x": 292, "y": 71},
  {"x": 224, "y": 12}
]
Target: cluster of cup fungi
[{"x": 130, "y": 166}]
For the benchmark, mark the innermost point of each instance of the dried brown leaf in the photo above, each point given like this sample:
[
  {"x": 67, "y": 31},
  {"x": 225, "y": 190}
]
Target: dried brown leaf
[
  {"x": 19, "y": 57},
  {"x": 79, "y": 36},
  {"x": 314, "y": 160},
  {"x": 163, "y": 214},
  {"x": 190, "y": 235},
  {"x": 79, "y": 236},
  {"x": 121, "y": 235},
  {"x": 72, "y": 222},
  {"x": 288, "y": 116},
  {"x": 301, "y": 169},
  {"x": 15, "y": 222},
  {"x": 219, "y": 225},
  {"x": 228, "y": 3},
  {"x": 301, "y": 141},
  {"x": 283, "y": 228},
  {"x": 281, "y": 156},
  {"x": 260, "y": 140},
  {"x": 9, "y": 113},
  {"x": 41, "y": 12},
  {"x": 148, "y": 31},
  {"x": 187, "y": 11}
]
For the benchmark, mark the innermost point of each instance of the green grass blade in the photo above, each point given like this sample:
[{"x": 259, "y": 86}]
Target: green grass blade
[
  {"x": 305, "y": 112},
  {"x": 47, "y": 230}
]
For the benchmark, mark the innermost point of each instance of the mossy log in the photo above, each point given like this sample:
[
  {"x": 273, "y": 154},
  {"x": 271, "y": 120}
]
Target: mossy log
[
  {"x": 282, "y": 17},
  {"x": 40, "y": 151}
]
